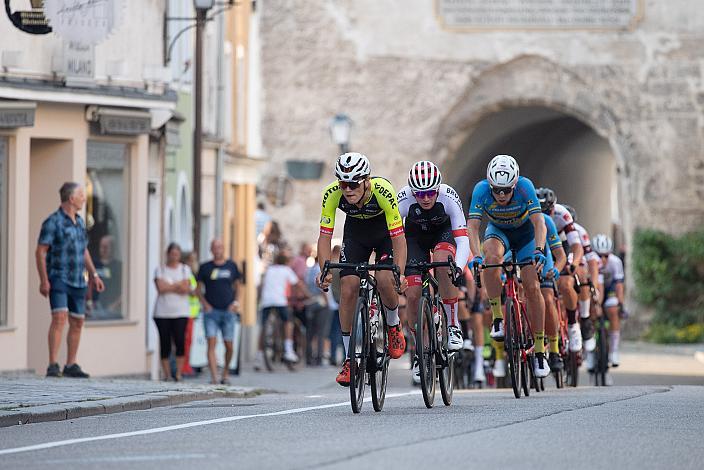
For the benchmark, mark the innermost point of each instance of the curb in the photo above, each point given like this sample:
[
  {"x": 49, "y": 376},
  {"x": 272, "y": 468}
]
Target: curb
[{"x": 73, "y": 410}]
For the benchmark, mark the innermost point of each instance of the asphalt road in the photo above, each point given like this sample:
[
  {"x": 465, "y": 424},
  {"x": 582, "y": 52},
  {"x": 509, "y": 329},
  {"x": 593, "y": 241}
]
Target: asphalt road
[{"x": 624, "y": 426}]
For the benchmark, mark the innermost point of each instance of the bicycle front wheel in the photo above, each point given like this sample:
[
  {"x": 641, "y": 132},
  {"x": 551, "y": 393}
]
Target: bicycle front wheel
[
  {"x": 602, "y": 354},
  {"x": 512, "y": 346},
  {"x": 359, "y": 352},
  {"x": 378, "y": 363},
  {"x": 445, "y": 359},
  {"x": 425, "y": 350}
]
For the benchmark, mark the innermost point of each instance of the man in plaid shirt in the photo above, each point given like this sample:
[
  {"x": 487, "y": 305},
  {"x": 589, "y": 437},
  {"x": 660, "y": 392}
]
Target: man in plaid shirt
[{"x": 62, "y": 259}]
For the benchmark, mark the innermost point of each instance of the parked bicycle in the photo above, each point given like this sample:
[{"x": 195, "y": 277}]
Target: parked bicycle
[
  {"x": 369, "y": 347},
  {"x": 273, "y": 342}
]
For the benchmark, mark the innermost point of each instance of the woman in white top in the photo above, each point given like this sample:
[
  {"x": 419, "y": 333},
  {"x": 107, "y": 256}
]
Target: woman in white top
[{"x": 172, "y": 308}]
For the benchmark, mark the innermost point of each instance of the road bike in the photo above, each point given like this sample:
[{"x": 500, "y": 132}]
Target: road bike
[
  {"x": 273, "y": 342},
  {"x": 601, "y": 352},
  {"x": 369, "y": 343},
  {"x": 518, "y": 335},
  {"x": 434, "y": 358}
]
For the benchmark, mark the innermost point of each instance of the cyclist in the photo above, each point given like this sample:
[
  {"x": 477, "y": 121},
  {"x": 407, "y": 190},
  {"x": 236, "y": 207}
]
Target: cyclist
[
  {"x": 476, "y": 301},
  {"x": 565, "y": 227},
  {"x": 434, "y": 222},
  {"x": 515, "y": 222},
  {"x": 588, "y": 273},
  {"x": 373, "y": 224},
  {"x": 611, "y": 279}
]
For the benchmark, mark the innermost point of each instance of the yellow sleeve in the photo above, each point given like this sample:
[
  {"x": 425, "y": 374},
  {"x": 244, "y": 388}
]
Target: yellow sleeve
[
  {"x": 386, "y": 195},
  {"x": 331, "y": 199}
]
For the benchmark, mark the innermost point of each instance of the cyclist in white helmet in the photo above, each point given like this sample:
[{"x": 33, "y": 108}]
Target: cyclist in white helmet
[
  {"x": 611, "y": 277},
  {"x": 373, "y": 224},
  {"x": 434, "y": 223},
  {"x": 515, "y": 223}
]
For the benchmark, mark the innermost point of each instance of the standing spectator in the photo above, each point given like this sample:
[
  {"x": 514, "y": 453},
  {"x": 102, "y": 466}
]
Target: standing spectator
[
  {"x": 319, "y": 317},
  {"x": 172, "y": 308},
  {"x": 220, "y": 280},
  {"x": 334, "y": 302},
  {"x": 278, "y": 279},
  {"x": 298, "y": 294},
  {"x": 191, "y": 260},
  {"x": 62, "y": 258}
]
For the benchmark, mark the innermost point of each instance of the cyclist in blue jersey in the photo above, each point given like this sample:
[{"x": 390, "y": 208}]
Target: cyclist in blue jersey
[{"x": 515, "y": 223}]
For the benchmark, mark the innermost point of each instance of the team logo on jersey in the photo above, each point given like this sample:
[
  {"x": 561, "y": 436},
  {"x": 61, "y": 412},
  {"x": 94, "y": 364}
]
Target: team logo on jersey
[
  {"x": 386, "y": 194},
  {"x": 330, "y": 190},
  {"x": 417, "y": 211},
  {"x": 325, "y": 220},
  {"x": 566, "y": 216}
]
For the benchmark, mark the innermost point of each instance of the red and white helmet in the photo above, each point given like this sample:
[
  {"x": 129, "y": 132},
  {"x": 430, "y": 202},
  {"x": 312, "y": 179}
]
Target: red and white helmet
[
  {"x": 424, "y": 175},
  {"x": 502, "y": 171},
  {"x": 352, "y": 166}
]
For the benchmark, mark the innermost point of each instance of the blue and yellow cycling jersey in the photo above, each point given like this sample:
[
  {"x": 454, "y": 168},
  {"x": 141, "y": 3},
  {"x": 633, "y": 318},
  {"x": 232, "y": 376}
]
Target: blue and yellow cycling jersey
[
  {"x": 522, "y": 205},
  {"x": 552, "y": 238}
]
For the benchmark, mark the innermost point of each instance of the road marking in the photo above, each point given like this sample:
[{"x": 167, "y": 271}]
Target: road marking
[
  {"x": 314, "y": 396},
  {"x": 143, "y": 432}
]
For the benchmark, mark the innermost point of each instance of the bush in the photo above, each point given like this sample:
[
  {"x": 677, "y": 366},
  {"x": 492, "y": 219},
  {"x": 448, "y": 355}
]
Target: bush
[{"x": 669, "y": 276}]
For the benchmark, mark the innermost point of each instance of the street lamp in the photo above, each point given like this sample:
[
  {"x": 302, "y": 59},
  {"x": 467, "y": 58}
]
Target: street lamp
[
  {"x": 202, "y": 7},
  {"x": 340, "y": 127}
]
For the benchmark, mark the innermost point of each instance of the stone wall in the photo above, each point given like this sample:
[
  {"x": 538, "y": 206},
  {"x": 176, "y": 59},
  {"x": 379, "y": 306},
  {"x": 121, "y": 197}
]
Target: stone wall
[{"x": 416, "y": 90}]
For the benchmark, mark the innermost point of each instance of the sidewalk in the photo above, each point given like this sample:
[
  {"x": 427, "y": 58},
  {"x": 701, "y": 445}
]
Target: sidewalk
[{"x": 32, "y": 399}]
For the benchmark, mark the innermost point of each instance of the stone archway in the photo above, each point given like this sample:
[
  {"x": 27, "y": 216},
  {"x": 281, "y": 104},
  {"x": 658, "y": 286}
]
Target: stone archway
[{"x": 523, "y": 94}]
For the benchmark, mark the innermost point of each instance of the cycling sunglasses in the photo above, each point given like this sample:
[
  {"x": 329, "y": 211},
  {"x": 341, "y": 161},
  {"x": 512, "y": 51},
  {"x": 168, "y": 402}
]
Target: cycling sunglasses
[
  {"x": 497, "y": 190},
  {"x": 428, "y": 193},
  {"x": 349, "y": 184}
]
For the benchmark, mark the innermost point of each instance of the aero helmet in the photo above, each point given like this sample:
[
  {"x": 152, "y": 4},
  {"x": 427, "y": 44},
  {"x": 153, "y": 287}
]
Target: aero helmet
[
  {"x": 502, "y": 172},
  {"x": 602, "y": 244},
  {"x": 424, "y": 175},
  {"x": 547, "y": 199},
  {"x": 352, "y": 166}
]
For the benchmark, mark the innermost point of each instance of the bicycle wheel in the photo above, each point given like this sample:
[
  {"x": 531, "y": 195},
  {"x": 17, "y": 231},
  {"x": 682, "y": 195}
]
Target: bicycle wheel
[
  {"x": 359, "y": 352},
  {"x": 602, "y": 350},
  {"x": 512, "y": 346},
  {"x": 425, "y": 350},
  {"x": 572, "y": 367},
  {"x": 528, "y": 379},
  {"x": 378, "y": 362},
  {"x": 272, "y": 341},
  {"x": 445, "y": 359}
]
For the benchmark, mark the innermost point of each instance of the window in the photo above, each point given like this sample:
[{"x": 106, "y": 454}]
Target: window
[
  {"x": 107, "y": 183},
  {"x": 3, "y": 230}
]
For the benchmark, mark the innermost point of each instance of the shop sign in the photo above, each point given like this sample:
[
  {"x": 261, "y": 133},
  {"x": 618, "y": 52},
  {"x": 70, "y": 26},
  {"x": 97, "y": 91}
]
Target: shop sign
[
  {"x": 79, "y": 62},
  {"x": 30, "y": 21},
  {"x": 15, "y": 114},
  {"x": 85, "y": 21}
]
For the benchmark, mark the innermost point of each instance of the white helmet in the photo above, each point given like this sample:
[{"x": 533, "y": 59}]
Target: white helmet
[
  {"x": 502, "y": 171},
  {"x": 602, "y": 244},
  {"x": 424, "y": 175},
  {"x": 352, "y": 166}
]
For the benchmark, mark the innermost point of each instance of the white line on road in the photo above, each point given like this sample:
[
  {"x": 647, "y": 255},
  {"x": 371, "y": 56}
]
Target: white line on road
[{"x": 67, "y": 442}]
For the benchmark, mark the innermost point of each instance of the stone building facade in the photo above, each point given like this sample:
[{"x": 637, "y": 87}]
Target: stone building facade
[{"x": 606, "y": 109}]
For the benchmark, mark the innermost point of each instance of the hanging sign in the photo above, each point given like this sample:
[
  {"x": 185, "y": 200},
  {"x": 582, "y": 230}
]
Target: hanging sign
[{"x": 30, "y": 21}]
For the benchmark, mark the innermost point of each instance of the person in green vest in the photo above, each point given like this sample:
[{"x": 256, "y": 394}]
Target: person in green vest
[{"x": 190, "y": 259}]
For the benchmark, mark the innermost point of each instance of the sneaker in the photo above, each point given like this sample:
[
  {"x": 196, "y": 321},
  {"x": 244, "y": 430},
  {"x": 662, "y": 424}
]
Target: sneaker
[
  {"x": 555, "y": 362},
  {"x": 415, "y": 372},
  {"x": 74, "y": 370},
  {"x": 343, "y": 378},
  {"x": 467, "y": 345},
  {"x": 290, "y": 356},
  {"x": 53, "y": 370},
  {"x": 499, "y": 368},
  {"x": 590, "y": 361},
  {"x": 397, "y": 343},
  {"x": 613, "y": 358},
  {"x": 540, "y": 366},
  {"x": 497, "y": 330},
  {"x": 479, "y": 375},
  {"x": 575, "y": 337},
  {"x": 454, "y": 338}
]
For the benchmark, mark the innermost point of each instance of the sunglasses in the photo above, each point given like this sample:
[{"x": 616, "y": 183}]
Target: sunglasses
[
  {"x": 350, "y": 184},
  {"x": 429, "y": 193},
  {"x": 604, "y": 256},
  {"x": 496, "y": 190}
]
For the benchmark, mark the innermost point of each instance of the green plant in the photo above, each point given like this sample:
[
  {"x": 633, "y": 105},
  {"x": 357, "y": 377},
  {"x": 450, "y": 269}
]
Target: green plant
[{"x": 669, "y": 276}]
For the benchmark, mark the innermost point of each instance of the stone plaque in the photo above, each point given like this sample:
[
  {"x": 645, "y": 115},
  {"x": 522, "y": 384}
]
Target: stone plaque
[
  {"x": 15, "y": 114},
  {"x": 538, "y": 14}
]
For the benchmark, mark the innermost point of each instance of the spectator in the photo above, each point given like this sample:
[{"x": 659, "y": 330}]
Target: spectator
[
  {"x": 278, "y": 279},
  {"x": 62, "y": 257},
  {"x": 262, "y": 221},
  {"x": 191, "y": 260},
  {"x": 218, "y": 282},
  {"x": 172, "y": 308},
  {"x": 318, "y": 315},
  {"x": 109, "y": 303},
  {"x": 334, "y": 303},
  {"x": 299, "y": 294}
]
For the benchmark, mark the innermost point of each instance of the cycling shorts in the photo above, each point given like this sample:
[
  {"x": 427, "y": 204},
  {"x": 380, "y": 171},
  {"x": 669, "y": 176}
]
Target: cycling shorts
[
  {"x": 360, "y": 238},
  {"x": 421, "y": 244},
  {"x": 521, "y": 239}
]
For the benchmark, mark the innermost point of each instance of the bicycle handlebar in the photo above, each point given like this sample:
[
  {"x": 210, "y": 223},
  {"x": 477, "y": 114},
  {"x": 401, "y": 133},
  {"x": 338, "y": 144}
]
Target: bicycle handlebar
[
  {"x": 362, "y": 268},
  {"x": 505, "y": 265}
]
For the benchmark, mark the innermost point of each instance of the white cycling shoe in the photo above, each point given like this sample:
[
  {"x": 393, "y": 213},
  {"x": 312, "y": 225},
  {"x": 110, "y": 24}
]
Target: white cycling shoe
[
  {"x": 479, "y": 375},
  {"x": 454, "y": 338},
  {"x": 590, "y": 344},
  {"x": 499, "y": 368},
  {"x": 290, "y": 356},
  {"x": 613, "y": 358},
  {"x": 467, "y": 345},
  {"x": 590, "y": 361},
  {"x": 575, "y": 337},
  {"x": 415, "y": 372},
  {"x": 497, "y": 330},
  {"x": 541, "y": 368}
]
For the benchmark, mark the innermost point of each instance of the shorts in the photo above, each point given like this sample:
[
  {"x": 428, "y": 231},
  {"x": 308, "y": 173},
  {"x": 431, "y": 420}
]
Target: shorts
[
  {"x": 610, "y": 297},
  {"x": 421, "y": 244},
  {"x": 65, "y": 298},
  {"x": 221, "y": 320},
  {"x": 361, "y": 237},
  {"x": 521, "y": 240},
  {"x": 284, "y": 313}
]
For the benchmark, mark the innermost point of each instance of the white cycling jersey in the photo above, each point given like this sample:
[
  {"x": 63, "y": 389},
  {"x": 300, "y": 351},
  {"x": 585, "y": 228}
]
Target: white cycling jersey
[
  {"x": 447, "y": 206},
  {"x": 589, "y": 254},
  {"x": 565, "y": 225},
  {"x": 611, "y": 273}
]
